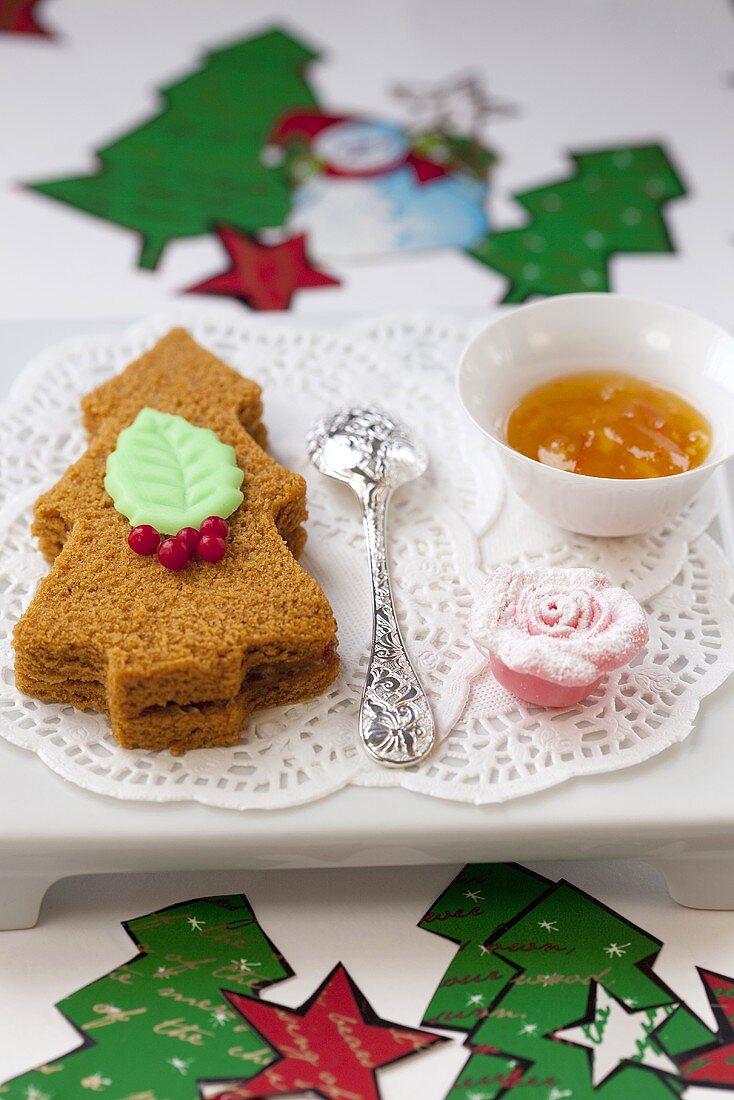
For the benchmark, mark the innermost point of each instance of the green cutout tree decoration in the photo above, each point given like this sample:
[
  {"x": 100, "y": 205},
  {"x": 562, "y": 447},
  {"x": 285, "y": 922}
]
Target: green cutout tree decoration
[
  {"x": 558, "y": 997},
  {"x": 613, "y": 203},
  {"x": 481, "y": 899},
  {"x": 170, "y": 474},
  {"x": 155, "y": 1026},
  {"x": 199, "y": 162}
]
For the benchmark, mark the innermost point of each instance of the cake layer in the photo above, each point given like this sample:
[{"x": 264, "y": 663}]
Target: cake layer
[{"x": 201, "y": 724}]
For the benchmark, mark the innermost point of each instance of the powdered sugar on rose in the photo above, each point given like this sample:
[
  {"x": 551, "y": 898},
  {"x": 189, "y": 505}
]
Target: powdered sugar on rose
[{"x": 566, "y": 626}]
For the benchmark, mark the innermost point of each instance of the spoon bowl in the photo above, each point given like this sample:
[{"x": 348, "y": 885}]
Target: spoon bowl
[{"x": 367, "y": 446}]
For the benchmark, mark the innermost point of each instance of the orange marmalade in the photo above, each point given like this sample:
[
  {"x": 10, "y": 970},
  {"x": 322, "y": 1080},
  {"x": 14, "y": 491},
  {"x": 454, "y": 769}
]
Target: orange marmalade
[{"x": 609, "y": 424}]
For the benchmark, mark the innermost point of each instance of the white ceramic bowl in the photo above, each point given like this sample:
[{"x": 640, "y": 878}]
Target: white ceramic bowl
[{"x": 531, "y": 345}]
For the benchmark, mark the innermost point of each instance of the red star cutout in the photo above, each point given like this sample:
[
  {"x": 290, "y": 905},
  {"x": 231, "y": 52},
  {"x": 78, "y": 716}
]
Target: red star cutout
[
  {"x": 18, "y": 17},
  {"x": 263, "y": 276},
  {"x": 332, "y": 1045},
  {"x": 715, "y": 1065}
]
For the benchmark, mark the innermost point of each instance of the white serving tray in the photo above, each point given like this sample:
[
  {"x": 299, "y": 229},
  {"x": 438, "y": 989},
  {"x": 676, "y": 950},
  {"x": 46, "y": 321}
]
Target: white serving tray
[{"x": 675, "y": 811}]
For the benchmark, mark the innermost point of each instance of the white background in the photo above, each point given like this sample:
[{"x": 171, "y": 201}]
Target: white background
[{"x": 583, "y": 73}]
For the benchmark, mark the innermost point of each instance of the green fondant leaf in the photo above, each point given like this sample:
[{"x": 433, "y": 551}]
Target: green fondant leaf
[{"x": 168, "y": 473}]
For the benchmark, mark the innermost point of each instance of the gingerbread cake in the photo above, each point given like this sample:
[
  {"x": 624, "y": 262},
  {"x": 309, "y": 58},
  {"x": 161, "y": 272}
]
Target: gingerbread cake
[{"x": 177, "y": 659}]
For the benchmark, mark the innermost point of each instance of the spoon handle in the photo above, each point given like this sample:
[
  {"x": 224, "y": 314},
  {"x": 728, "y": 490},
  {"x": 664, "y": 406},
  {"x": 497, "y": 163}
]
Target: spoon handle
[{"x": 395, "y": 720}]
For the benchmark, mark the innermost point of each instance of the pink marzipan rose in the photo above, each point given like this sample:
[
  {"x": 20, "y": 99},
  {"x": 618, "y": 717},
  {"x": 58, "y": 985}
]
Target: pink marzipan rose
[{"x": 552, "y": 634}]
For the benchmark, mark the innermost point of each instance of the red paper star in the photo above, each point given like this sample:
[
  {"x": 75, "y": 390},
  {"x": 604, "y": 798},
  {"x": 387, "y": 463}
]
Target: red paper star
[
  {"x": 263, "y": 276},
  {"x": 715, "y": 1065},
  {"x": 332, "y": 1045},
  {"x": 18, "y": 17}
]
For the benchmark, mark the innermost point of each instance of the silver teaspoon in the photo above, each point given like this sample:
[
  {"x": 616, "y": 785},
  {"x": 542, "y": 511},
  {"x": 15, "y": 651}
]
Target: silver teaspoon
[{"x": 372, "y": 453}]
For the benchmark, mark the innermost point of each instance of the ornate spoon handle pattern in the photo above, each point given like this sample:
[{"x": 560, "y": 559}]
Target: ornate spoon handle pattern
[{"x": 395, "y": 720}]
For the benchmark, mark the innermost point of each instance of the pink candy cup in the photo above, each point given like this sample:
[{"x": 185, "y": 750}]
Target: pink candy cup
[{"x": 552, "y": 634}]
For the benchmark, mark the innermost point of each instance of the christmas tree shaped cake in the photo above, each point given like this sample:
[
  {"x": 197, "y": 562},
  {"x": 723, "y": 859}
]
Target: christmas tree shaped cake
[{"x": 175, "y": 603}]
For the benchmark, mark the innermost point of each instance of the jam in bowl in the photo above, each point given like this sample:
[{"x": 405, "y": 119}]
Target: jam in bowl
[{"x": 609, "y": 424}]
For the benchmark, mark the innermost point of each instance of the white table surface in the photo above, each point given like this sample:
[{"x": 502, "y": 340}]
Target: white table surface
[
  {"x": 55, "y": 263},
  {"x": 365, "y": 918}
]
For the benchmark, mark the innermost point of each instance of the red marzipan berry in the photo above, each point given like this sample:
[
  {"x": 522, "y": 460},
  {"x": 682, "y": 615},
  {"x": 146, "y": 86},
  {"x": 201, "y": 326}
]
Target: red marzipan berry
[
  {"x": 172, "y": 554},
  {"x": 214, "y": 526},
  {"x": 211, "y": 548},
  {"x": 143, "y": 539},
  {"x": 189, "y": 537}
]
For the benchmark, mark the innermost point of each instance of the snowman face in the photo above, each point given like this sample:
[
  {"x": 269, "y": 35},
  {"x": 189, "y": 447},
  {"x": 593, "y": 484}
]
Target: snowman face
[{"x": 360, "y": 147}]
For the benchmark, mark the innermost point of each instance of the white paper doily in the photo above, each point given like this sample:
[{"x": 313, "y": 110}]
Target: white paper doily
[{"x": 444, "y": 528}]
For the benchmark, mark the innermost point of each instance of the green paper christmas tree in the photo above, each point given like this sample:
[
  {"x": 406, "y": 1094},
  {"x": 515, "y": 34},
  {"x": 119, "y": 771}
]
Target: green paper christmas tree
[
  {"x": 565, "y": 944},
  {"x": 557, "y": 992},
  {"x": 480, "y": 900},
  {"x": 199, "y": 162},
  {"x": 155, "y": 1026},
  {"x": 614, "y": 202}
]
